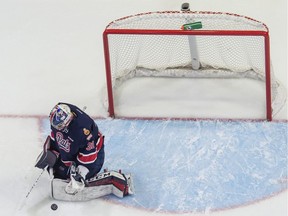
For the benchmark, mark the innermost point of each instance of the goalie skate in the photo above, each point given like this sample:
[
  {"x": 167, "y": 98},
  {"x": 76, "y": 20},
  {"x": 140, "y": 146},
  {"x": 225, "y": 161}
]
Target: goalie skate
[{"x": 103, "y": 184}]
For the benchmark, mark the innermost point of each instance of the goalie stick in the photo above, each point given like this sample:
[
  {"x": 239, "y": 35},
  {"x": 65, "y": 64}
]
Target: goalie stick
[
  {"x": 45, "y": 146},
  {"x": 29, "y": 192}
]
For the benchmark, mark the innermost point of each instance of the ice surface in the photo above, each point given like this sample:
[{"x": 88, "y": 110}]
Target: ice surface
[{"x": 189, "y": 166}]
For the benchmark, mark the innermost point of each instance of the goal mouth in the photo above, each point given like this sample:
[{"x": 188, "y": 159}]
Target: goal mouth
[{"x": 220, "y": 46}]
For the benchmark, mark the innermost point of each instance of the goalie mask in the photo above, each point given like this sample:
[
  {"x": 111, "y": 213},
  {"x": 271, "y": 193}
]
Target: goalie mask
[{"x": 61, "y": 116}]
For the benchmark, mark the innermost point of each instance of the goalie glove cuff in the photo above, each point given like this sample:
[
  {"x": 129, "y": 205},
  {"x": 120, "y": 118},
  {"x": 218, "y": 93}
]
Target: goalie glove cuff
[
  {"x": 78, "y": 173},
  {"x": 83, "y": 171}
]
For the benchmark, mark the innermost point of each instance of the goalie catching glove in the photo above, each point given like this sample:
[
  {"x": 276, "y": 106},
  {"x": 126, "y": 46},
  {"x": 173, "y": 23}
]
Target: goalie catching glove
[{"x": 47, "y": 158}]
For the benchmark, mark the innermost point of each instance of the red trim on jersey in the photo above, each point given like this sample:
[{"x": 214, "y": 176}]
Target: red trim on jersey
[
  {"x": 67, "y": 163},
  {"x": 52, "y": 136},
  {"x": 91, "y": 157},
  {"x": 87, "y": 158},
  {"x": 100, "y": 142}
]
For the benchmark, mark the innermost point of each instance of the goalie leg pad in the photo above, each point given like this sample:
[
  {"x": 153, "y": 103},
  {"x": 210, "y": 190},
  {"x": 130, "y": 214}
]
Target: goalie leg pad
[
  {"x": 58, "y": 187},
  {"x": 122, "y": 184},
  {"x": 101, "y": 185},
  {"x": 74, "y": 186}
]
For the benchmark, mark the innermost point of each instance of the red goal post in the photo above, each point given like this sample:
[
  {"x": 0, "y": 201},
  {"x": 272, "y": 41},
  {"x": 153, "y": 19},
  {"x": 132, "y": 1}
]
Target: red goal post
[{"x": 227, "y": 45}]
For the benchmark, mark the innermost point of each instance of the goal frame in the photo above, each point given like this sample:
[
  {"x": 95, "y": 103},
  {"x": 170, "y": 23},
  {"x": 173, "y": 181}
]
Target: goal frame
[{"x": 264, "y": 34}]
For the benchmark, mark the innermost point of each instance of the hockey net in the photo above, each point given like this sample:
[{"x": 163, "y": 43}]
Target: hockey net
[{"x": 154, "y": 45}]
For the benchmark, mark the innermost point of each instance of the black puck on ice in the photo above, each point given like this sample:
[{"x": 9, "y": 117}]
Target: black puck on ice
[{"x": 54, "y": 206}]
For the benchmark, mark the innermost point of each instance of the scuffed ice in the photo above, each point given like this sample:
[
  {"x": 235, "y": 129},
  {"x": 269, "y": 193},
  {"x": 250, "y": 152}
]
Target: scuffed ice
[{"x": 197, "y": 166}]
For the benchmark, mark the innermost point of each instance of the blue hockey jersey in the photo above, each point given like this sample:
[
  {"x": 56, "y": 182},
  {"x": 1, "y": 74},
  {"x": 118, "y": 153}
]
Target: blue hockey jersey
[{"x": 81, "y": 142}]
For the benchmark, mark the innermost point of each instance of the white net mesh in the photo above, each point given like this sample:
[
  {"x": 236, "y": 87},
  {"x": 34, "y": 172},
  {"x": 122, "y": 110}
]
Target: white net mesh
[
  {"x": 217, "y": 56},
  {"x": 173, "y": 20}
]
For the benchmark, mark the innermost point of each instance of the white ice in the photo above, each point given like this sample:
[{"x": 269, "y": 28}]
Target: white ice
[{"x": 52, "y": 51}]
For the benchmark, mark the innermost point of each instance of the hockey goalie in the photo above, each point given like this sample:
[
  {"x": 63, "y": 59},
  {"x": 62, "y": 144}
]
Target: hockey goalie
[{"x": 74, "y": 155}]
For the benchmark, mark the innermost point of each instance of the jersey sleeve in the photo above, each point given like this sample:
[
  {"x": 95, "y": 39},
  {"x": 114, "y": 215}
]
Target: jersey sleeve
[
  {"x": 52, "y": 142},
  {"x": 88, "y": 154}
]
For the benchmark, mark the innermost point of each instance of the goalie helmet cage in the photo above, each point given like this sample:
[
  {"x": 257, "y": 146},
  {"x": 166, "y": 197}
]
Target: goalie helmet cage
[{"x": 153, "y": 44}]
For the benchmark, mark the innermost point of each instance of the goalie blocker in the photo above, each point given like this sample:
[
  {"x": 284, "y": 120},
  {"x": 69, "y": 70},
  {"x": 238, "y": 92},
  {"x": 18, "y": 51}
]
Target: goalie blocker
[{"x": 103, "y": 184}]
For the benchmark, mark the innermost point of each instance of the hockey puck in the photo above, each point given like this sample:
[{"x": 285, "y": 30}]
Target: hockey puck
[{"x": 54, "y": 206}]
